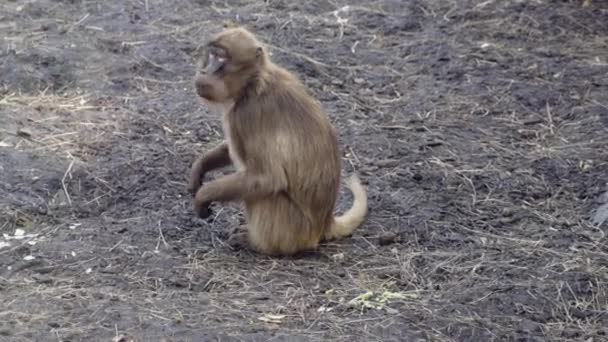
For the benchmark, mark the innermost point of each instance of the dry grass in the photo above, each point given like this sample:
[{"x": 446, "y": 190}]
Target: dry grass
[{"x": 477, "y": 125}]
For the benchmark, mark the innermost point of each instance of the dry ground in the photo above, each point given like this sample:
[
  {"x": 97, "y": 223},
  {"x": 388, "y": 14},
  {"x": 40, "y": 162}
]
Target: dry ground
[{"x": 479, "y": 126}]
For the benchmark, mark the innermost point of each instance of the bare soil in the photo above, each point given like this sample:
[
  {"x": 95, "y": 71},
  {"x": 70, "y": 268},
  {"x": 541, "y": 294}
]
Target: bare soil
[{"x": 480, "y": 128}]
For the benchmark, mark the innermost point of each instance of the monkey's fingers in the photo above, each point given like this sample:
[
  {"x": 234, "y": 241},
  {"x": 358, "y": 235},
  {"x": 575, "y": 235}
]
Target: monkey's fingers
[
  {"x": 195, "y": 182},
  {"x": 238, "y": 240},
  {"x": 193, "y": 188},
  {"x": 240, "y": 229}
]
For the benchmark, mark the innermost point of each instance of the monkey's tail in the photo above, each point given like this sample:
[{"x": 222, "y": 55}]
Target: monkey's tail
[{"x": 346, "y": 223}]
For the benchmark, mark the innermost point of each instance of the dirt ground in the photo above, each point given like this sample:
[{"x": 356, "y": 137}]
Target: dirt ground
[{"x": 479, "y": 127}]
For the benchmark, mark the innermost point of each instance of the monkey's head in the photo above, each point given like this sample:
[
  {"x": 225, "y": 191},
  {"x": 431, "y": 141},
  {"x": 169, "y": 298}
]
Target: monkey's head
[{"x": 230, "y": 60}]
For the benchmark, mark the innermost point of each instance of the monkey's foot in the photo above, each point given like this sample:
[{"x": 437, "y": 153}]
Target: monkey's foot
[
  {"x": 240, "y": 229},
  {"x": 238, "y": 238}
]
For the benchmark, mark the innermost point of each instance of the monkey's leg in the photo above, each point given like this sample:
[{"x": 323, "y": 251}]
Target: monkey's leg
[
  {"x": 241, "y": 185},
  {"x": 278, "y": 227},
  {"x": 214, "y": 159}
]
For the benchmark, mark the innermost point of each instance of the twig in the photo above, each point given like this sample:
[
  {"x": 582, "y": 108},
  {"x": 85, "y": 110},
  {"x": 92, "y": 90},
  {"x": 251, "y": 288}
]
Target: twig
[
  {"x": 116, "y": 245},
  {"x": 161, "y": 237},
  {"x": 297, "y": 54},
  {"x": 78, "y": 22},
  {"x": 550, "y": 119},
  {"x": 65, "y": 189}
]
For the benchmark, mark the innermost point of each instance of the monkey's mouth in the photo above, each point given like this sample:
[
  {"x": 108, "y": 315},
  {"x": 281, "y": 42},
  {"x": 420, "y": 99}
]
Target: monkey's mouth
[
  {"x": 208, "y": 96},
  {"x": 203, "y": 90}
]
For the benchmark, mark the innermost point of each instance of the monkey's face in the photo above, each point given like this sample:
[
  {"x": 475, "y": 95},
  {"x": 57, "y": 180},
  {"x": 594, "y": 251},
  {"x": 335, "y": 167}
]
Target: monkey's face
[
  {"x": 230, "y": 60},
  {"x": 210, "y": 79}
]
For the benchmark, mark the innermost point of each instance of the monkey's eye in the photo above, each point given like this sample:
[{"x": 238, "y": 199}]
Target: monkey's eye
[
  {"x": 214, "y": 63},
  {"x": 219, "y": 59},
  {"x": 220, "y": 53}
]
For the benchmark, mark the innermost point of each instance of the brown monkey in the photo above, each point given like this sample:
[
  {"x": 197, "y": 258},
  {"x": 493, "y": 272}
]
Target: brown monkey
[{"x": 282, "y": 145}]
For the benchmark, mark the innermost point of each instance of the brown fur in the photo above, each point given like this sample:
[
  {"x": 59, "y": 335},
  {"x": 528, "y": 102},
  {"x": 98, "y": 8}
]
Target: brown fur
[{"x": 284, "y": 149}]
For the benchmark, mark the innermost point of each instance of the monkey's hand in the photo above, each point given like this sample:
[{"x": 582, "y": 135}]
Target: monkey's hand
[
  {"x": 195, "y": 183},
  {"x": 218, "y": 157},
  {"x": 202, "y": 210}
]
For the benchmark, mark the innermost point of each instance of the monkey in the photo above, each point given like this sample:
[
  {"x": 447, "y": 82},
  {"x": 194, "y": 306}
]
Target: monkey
[{"x": 282, "y": 145}]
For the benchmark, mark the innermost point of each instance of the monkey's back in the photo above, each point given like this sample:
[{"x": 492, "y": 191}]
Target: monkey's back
[{"x": 284, "y": 119}]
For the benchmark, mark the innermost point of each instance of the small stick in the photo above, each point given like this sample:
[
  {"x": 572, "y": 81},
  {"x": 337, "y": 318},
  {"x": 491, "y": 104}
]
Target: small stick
[
  {"x": 161, "y": 237},
  {"x": 115, "y": 246},
  {"x": 65, "y": 175},
  {"x": 550, "y": 118}
]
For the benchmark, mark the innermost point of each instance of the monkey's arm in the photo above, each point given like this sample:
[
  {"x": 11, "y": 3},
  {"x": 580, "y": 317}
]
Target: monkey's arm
[
  {"x": 241, "y": 185},
  {"x": 216, "y": 158}
]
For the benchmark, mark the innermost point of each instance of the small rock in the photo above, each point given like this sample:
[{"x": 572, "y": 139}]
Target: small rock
[
  {"x": 387, "y": 239},
  {"x": 24, "y": 133},
  {"x": 123, "y": 338},
  {"x": 532, "y": 121},
  {"x": 434, "y": 143},
  {"x": 387, "y": 162}
]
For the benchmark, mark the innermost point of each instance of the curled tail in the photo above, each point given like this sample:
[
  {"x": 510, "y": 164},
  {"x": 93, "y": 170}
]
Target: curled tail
[{"x": 345, "y": 224}]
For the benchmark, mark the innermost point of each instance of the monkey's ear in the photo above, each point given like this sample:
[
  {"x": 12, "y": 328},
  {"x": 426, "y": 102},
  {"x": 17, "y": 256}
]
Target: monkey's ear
[{"x": 259, "y": 52}]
